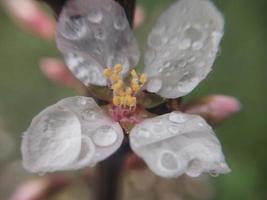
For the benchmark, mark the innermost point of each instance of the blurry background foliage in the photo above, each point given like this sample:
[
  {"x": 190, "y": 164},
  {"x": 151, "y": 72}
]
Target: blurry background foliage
[{"x": 240, "y": 70}]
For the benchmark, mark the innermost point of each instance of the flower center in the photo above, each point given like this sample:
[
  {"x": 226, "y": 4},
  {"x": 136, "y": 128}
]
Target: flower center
[{"x": 124, "y": 94}]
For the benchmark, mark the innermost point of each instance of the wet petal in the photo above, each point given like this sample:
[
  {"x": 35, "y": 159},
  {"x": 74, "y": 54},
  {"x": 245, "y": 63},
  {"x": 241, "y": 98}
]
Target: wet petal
[
  {"x": 177, "y": 143},
  {"x": 71, "y": 134},
  {"x": 93, "y": 35},
  {"x": 183, "y": 47}
]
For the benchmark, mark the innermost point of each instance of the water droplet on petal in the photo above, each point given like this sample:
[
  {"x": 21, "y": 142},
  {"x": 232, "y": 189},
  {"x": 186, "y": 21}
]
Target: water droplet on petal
[
  {"x": 193, "y": 33},
  {"x": 168, "y": 161},
  {"x": 197, "y": 45},
  {"x": 82, "y": 101},
  {"x": 120, "y": 23},
  {"x": 105, "y": 136},
  {"x": 177, "y": 118},
  {"x": 188, "y": 85},
  {"x": 99, "y": 33},
  {"x": 95, "y": 16},
  {"x": 174, "y": 129},
  {"x": 154, "y": 85},
  {"x": 201, "y": 124},
  {"x": 89, "y": 115},
  {"x": 185, "y": 44},
  {"x": 74, "y": 27},
  {"x": 194, "y": 168},
  {"x": 144, "y": 133},
  {"x": 213, "y": 173}
]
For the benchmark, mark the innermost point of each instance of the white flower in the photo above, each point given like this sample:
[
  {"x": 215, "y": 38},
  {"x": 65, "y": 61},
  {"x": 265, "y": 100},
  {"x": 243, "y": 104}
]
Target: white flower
[{"x": 94, "y": 34}]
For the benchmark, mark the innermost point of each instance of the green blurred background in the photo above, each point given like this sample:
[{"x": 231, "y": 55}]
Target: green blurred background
[{"x": 240, "y": 71}]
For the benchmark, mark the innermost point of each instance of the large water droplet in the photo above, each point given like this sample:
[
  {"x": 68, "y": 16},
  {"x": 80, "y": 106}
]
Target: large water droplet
[
  {"x": 194, "y": 168},
  {"x": 82, "y": 101},
  {"x": 89, "y": 115},
  {"x": 154, "y": 85},
  {"x": 174, "y": 129},
  {"x": 74, "y": 27},
  {"x": 105, "y": 136},
  {"x": 144, "y": 133},
  {"x": 95, "y": 16},
  {"x": 188, "y": 85},
  {"x": 99, "y": 33},
  {"x": 177, "y": 118},
  {"x": 197, "y": 45},
  {"x": 120, "y": 23},
  {"x": 213, "y": 173},
  {"x": 193, "y": 33},
  {"x": 168, "y": 161},
  {"x": 184, "y": 44}
]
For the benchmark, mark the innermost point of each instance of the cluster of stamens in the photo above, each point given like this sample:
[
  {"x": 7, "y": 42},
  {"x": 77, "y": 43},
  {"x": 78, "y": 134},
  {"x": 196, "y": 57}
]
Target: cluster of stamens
[{"x": 123, "y": 95}]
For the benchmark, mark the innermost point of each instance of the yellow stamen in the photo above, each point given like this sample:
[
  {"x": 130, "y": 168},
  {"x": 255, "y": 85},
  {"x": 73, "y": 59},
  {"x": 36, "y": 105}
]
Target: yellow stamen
[
  {"x": 116, "y": 100},
  {"x": 108, "y": 72},
  {"x": 134, "y": 74},
  {"x": 117, "y": 86},
  {"x": 143, "y": 79},
  {"x": 114, "y": 77},
  {"x": 135, "y": 87},
  {"x": 124, "y": 96},
  {"x": 118, "y": 68}
]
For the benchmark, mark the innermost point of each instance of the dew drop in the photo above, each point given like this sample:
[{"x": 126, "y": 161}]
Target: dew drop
[
  {"x": 168, "y": 161},
  {"x": 193, "y": 33},
  {"x": 201, "y": 124},
  {"x": 191, "y": 59},
  {"x": 100, "y": 34},
  {"x": 194, "y": 168},
  {"x": 89, "y": 114},
  {"x": 177, "y": 118},
  {"x": 120, "y": 23},
  {"x": 154, "y": 85},
  {"x": 167, "y": 64},
  {"x": 82, "y": 101},
  {"x": 174, "y": 129},
  {"x": 213, "y": 173},
  {"x": 74, "y": 27},
  {"x": 144, "y": 133},
  {"x": 185, "y": 44},
  {"x": 95, "y": 16},
  {"x": 105, "y": 136},
  {"x": 188, "y": 85},
  {"x": 197, "y": 45}
]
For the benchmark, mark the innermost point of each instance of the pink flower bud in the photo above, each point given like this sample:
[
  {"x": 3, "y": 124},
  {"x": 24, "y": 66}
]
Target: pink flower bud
[
  {"x": 55, "y": 70},
  {"x": 30, "y": 16},
  {"x": 139, "y": 16},
  {"x": 214, "y": 108},
  {"x": 40, "y": 188}
]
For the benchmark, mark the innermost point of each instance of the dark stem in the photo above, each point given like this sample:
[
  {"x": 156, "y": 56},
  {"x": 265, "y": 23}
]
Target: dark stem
[{"x": 108, "y": 175}]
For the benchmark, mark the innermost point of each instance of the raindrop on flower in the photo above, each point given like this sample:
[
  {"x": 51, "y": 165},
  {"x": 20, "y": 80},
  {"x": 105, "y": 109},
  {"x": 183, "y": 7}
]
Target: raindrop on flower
[
  {"x": 177, "y": 118},
  {"x": 105, "y": 136},
  {"x": 95, "y": 16},
  {"x": 74, "y": 27}
]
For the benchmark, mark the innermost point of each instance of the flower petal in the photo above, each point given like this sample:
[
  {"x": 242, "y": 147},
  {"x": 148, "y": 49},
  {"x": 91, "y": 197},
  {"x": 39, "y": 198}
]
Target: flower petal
[
  {"x": 183, "y": 47},
  {"x": 177, "y": 143},
  {"x": 70, "y": 134},
  {"x": 93, "y": 35}
]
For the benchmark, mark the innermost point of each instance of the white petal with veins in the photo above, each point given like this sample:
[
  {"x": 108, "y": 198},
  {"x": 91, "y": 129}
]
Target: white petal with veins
[
  {"x": 71, "y": 134},
  {"x": 182, "y": 46},
  {"x": 98, "y": 34},
  {"x": 178, "y": 143}
]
